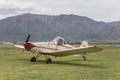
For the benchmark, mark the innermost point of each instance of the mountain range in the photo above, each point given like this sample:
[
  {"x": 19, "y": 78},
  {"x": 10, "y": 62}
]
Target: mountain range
[{"x": 72, "y": 27}]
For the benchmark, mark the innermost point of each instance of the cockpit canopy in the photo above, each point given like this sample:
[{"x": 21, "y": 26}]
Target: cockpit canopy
[{"x": 59, "y": 41}]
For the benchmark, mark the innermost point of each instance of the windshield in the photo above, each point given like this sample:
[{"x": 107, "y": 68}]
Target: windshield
[{"x": 59, "y": 41}]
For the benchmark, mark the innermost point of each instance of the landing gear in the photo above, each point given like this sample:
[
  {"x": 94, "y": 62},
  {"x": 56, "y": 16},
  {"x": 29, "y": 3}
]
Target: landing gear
[
  {"x": 49, "y": 60},
  {"x": 84, "y": 58},
  {"x": 33, "y": 59}
]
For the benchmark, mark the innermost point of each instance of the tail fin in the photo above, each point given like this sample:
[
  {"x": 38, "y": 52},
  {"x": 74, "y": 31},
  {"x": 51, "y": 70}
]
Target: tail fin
[{"x": 84, "y": 44}]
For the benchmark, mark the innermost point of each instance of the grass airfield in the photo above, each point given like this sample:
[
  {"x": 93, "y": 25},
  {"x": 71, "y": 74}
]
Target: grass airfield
[{"x": 103, "y": 65}]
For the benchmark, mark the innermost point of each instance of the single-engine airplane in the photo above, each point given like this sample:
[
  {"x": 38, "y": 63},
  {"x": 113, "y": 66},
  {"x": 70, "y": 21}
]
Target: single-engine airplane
[{"x": 58, "y": 48}]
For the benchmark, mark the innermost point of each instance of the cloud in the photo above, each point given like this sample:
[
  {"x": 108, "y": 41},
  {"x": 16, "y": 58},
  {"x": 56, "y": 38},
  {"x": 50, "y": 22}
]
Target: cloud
[
  {"x": 14, "y": 6},
  {"x": 105, "y": 10}
]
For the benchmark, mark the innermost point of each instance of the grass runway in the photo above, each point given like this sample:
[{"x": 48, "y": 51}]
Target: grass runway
[{"x": 103, "y": 65}]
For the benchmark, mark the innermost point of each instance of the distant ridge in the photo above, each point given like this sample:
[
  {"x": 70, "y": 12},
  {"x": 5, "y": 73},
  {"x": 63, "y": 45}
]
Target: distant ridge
[{"x": 72, "y": 27}]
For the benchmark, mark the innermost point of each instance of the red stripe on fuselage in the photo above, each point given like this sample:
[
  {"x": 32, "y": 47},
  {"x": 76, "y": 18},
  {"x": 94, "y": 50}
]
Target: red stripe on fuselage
[
  {"x": 47, "y": 48},
  {"x": 67, "y": 47}
]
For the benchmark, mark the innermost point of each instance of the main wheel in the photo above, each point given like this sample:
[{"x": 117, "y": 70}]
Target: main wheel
[
  {"x": 33, "y": 59},
  {"x": 49, "y": 60}
]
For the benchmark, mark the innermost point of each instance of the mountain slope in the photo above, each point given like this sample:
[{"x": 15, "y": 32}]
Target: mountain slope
[{"x": 45, "y": 27}]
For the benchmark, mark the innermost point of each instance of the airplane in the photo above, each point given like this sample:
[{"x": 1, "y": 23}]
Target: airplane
[{"x": 58, "y": 48}]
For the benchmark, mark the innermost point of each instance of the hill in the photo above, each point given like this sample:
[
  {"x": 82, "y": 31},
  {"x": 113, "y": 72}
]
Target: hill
[{"x": 73, "y": 28}]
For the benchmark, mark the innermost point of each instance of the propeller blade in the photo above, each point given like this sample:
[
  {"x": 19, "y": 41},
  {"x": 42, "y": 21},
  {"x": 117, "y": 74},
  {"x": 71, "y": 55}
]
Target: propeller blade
[{"x": 27, "y": 39}]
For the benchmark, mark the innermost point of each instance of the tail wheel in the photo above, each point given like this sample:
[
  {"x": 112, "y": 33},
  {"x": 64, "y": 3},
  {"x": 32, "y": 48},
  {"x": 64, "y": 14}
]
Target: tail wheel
[
  {"x": 84, "y": 58},
  {"x": 49, "y": 60},
  {"x": 33, "y": 59}
]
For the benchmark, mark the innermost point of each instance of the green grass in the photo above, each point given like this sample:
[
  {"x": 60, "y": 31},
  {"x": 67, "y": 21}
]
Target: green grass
[{"x": 99, "y": 66}]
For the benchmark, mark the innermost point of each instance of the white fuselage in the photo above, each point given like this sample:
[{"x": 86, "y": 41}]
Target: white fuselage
[{"x": 50, "y": 47}]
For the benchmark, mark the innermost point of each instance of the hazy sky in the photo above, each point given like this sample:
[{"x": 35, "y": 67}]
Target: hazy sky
[{"x": 100, "y": 10}]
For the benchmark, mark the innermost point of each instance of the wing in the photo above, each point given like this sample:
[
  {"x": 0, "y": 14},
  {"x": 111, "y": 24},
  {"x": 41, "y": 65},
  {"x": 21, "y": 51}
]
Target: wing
[
  {"x": 19, "y": 46},
  {"x": 75, "y": 51}
]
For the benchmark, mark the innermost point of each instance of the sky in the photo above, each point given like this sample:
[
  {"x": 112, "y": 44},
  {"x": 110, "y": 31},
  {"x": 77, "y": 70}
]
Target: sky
[{"x": 99, "y": 10}]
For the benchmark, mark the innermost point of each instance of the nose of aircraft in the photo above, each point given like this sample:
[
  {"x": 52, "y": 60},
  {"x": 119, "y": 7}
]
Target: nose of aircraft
[{"x": 28, "y": 46}]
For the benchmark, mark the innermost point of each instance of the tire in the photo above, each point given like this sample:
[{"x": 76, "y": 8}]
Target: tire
[
  {"x": 49, "y": 60},
  {"x": 33, "y": 59}
]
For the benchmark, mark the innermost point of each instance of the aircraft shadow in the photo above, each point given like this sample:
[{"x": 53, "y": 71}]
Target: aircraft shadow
[
  {"x": 80, "y": 60},
  {"x": 66, "y": 63},
  {"x": 77, "y": 64}
]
